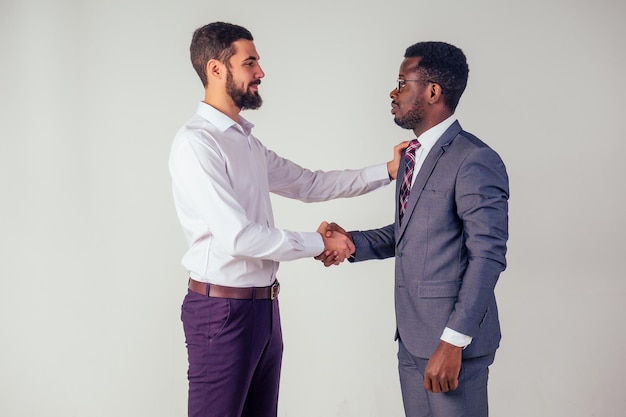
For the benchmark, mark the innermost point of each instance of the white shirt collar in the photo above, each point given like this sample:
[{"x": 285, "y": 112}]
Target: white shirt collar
[
  {"x": 220, "y": 120},
  {"x": 428, "y": 138}
]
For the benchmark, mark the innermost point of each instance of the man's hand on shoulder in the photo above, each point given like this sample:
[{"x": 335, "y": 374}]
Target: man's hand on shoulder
[{"x": 392, "y": 166}]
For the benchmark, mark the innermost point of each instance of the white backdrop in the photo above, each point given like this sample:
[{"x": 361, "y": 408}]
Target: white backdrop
[{"x": 90, "y": 274}]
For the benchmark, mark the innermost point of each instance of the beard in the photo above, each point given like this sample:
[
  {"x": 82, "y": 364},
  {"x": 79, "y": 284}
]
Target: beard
[
  {"x": 243, "y": 99},
  {"x": 412, "y": 118}
]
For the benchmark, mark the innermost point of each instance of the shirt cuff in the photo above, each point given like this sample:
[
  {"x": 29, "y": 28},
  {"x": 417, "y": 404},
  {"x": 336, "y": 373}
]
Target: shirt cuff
[
  {"x": 455, "y": 338},
  {"x": 377, "y": 174},
  {"x": 312, "y": 243}
]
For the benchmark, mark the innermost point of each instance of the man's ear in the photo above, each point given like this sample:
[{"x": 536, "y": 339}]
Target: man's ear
[
  {"x": 215, "y": 69},
  {"x": 434, "y": 92}
]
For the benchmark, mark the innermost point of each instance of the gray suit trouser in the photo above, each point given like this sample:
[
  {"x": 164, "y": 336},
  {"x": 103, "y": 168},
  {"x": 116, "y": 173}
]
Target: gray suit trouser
[{"x": 468, "y": 400}]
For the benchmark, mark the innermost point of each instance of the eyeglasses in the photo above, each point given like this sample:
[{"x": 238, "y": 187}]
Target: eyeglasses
[{"x": 402, "y": 82}]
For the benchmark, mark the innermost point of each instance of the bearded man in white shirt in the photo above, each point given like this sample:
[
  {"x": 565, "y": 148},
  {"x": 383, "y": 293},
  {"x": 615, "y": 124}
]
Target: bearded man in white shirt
[{"x": 221, "y": 179}]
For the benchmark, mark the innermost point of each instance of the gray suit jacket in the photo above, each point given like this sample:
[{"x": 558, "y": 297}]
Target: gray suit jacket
[{"x": 450, "y": 248}]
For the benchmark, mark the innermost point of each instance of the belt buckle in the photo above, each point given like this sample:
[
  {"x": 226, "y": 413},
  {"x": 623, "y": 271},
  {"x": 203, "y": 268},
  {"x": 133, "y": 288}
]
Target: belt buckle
[{"x": 274, "y": 290}]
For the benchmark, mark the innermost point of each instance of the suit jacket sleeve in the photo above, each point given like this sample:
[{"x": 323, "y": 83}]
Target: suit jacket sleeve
[
  {"x": 374, "y": 244},
  {"x": 481, "y": 197}
]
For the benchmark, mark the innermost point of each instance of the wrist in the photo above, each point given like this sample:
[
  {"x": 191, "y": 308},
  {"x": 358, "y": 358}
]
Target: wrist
[{"x": 455, "y": 338}]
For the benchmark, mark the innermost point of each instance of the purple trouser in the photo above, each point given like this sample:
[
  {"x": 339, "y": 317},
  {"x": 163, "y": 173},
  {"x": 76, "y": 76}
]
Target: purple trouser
[{"x": 235, "y": 352}]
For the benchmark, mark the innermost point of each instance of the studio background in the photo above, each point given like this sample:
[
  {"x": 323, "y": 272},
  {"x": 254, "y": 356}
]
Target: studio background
[{"x": 90, "y": 276}]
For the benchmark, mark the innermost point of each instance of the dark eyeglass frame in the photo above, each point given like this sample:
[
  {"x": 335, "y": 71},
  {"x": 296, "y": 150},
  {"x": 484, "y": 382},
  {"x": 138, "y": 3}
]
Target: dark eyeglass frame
[{"x": 402, "y": 82}]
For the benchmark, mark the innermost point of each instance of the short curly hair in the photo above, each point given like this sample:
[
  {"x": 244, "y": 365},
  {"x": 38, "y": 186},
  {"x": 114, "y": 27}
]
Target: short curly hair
[
  {"x": 443, "y": 64},
  {"x": 214, "y": 41}
]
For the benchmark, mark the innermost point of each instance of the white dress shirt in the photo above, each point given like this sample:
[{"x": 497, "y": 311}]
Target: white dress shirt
[
  {"x": 427, "y": 141},
  {"x": 221, "y": 178}
]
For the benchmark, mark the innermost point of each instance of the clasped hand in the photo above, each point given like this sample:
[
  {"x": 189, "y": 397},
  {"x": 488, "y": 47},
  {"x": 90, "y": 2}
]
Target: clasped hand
[{"x": 338, "y": 244}]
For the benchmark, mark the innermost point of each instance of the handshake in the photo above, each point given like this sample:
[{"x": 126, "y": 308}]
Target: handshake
[{"x": 338, "y": 244}]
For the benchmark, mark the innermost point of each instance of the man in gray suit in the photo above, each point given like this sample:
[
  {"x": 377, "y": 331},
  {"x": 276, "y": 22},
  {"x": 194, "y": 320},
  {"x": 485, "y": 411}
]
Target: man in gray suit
[{"x": 449, "y": 240}]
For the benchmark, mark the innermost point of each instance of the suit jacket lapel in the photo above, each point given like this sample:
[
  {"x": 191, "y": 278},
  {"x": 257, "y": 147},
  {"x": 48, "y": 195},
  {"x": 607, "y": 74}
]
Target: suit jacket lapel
[{"x": 423, "y": 175}]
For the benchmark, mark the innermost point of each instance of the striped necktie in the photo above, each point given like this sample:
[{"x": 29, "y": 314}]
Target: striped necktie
[{"x": 405, "y": 187}]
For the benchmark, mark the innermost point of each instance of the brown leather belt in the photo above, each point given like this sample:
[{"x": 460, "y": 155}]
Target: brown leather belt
[{"x": 248, "y": 293}]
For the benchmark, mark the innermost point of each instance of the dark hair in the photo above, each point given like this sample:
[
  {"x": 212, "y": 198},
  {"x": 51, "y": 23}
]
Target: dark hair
[
  {"x": 214, "y": 41},
  {"x": 443, "y": 64}
]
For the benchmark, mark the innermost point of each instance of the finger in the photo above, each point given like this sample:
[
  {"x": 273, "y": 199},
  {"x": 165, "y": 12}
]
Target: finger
[
  {"x": 444, "y": 386},
  {"x": 399, "y": 148},
  {"x": 322, "y": 256},
  {"x": 330, "y": 259},
  {"x": 428, "y": 384},
  {"x": 436, "y": 387},
  {"x": 335, "y": 227},
  {"x": 454, "y": 384},
  {"x": 402, "y": 145}
]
